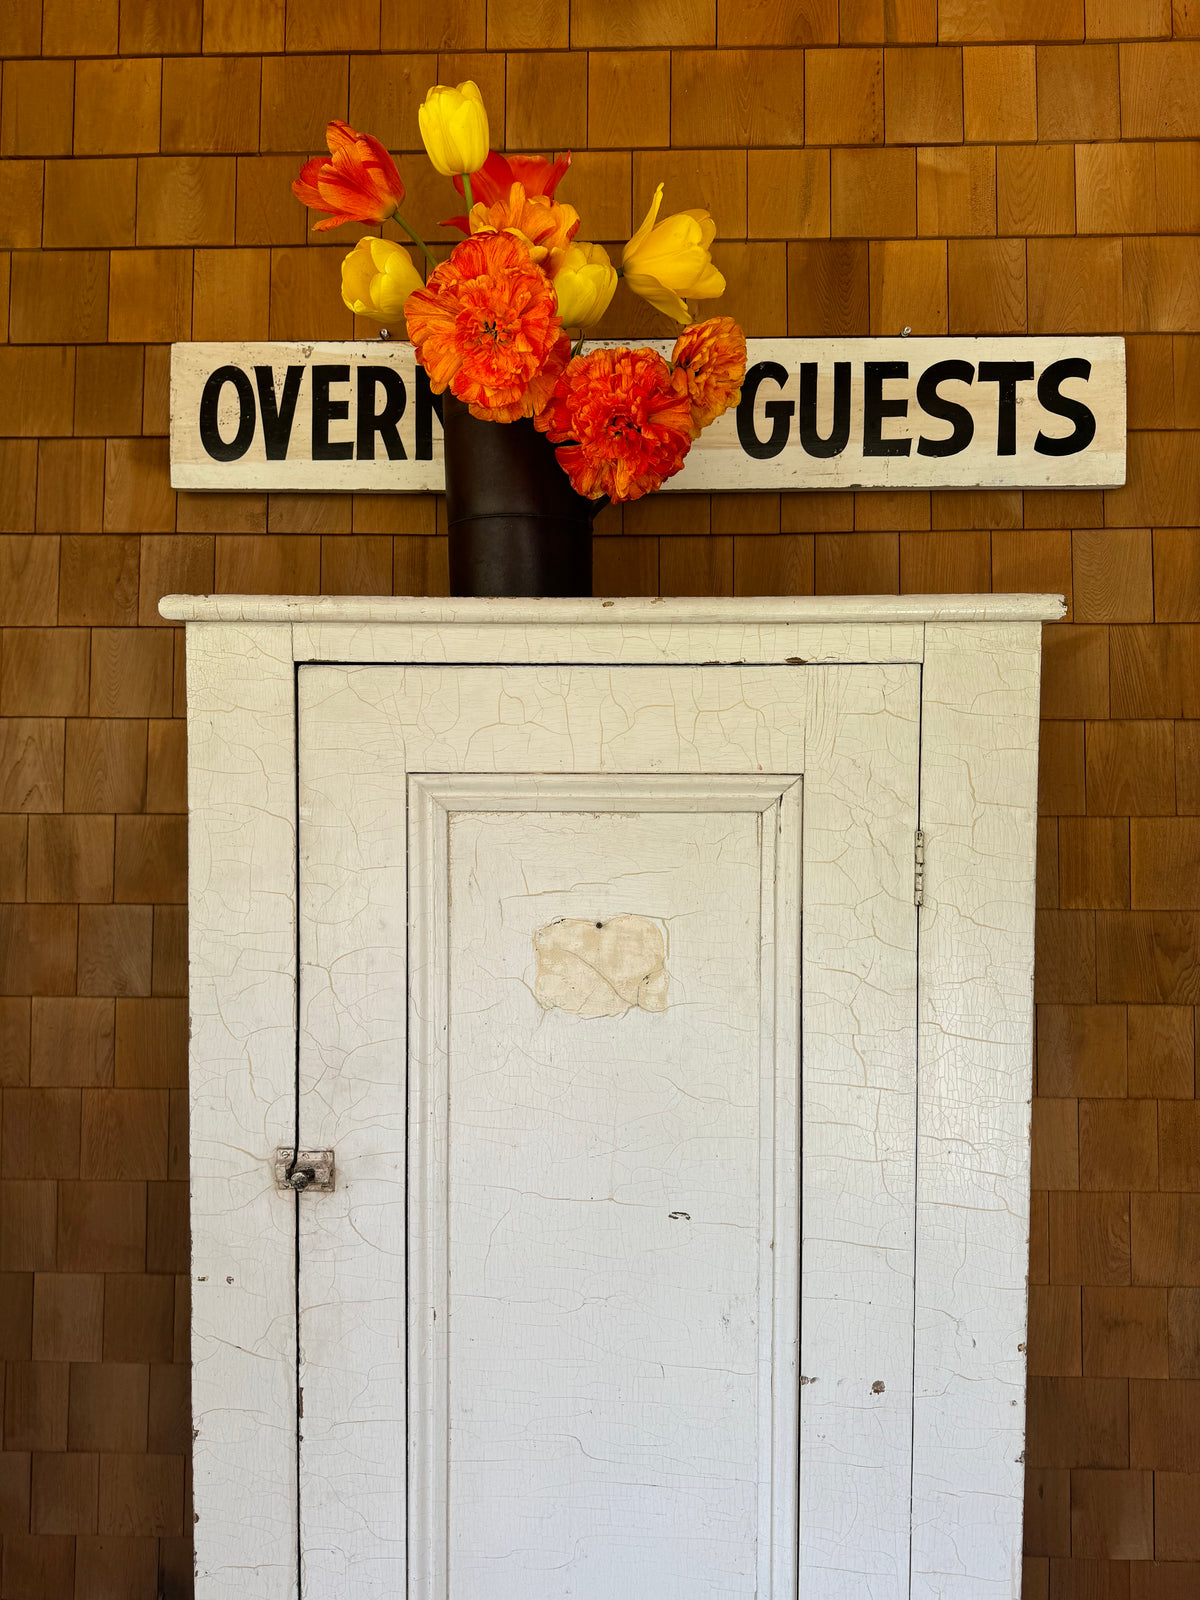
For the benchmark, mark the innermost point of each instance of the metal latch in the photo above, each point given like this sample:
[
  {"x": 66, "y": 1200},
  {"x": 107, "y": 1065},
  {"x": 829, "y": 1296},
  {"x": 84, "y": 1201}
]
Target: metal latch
[{"x": 304, "y": 1170}]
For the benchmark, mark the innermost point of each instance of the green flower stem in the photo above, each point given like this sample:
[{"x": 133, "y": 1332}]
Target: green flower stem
[
  {"x": 466, "y": 177},
  {"x": 416, "y": 239}
]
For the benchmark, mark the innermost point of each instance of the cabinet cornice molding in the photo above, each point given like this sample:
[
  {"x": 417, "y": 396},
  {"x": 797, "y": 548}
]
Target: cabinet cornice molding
[{"x": 748, "y": 612}]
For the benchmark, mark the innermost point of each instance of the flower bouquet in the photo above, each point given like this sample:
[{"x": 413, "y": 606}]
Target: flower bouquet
[{"x": 538, "y": 433}]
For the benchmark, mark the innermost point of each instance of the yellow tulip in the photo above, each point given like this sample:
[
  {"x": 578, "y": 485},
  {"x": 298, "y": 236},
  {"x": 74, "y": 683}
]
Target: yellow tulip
[
  {"x": 454, "y": 126},
  {"x": 584, "y": 283},
  {"x": 669, "y": 260},
  {"x": 377, "y": 278}
]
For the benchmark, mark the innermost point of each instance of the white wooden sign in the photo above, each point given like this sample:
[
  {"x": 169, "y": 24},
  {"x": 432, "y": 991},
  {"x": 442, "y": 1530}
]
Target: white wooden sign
[
  {"x": 708, "y": 1282},
  {"x": 814, "y": 414}
]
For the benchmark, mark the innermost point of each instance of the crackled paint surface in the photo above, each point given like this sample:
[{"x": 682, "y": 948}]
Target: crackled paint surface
[
  {"x": 603, "y": 1421},
  {"x": 242, "y": 928},
  {"x": 601, "y": 968},
  {"x": 852, "y": 731},
  {"x": 979, "y": 782},
  {"x": 914, "y": 1168}
]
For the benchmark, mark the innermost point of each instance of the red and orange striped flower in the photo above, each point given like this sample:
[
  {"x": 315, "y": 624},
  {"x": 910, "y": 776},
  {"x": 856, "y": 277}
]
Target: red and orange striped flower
[{"x": 359, "y": 183}]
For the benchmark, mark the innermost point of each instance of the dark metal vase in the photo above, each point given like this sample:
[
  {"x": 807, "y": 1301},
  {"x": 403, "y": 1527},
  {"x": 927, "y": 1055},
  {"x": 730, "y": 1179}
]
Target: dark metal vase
[{"x": 516, "y": 525}]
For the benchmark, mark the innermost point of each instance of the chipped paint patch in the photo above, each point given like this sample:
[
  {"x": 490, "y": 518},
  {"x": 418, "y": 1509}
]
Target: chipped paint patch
[{"x": 603, "y": 968}]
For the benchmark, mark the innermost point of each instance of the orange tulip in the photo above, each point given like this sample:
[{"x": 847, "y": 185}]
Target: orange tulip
[
  {"x": 498, "y": 173},
  {"x": 359, "y": 184},
  {"x": 545, "y": 226}
]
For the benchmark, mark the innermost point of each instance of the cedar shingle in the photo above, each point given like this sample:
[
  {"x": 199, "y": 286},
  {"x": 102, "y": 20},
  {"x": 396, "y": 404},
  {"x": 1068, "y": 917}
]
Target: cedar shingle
[{"x": 1089, "y": 1238}]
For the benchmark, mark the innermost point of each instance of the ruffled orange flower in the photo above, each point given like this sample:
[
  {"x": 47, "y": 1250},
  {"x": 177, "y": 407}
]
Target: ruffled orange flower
[
  {"x": 622, "y": 422},
  {"x": 498, "y": 174},
  {"x": 485, "y": 326},
  {"x": 545, "y": 226},
  {"x": 541, "y": 387},
  {"x": 359, "y": 184},
  {"x": 712, "y": 357}
]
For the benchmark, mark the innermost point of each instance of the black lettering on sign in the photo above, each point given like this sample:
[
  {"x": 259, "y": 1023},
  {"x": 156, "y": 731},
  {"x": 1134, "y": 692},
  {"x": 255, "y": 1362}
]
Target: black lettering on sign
[
  {"x": 326, "y": 410},
  {"x": 277, "y": 416},
  {"x": 1006, "y": 375},
  {"x": 385, "y": 423},
  {"x": 961, "y": 421},
  {"x": 1062, "y": 405},
  {"x": 210, "y": 399},
  {"x": 839, "y": 432},
  {"x": 428, "y": 405},
  {"x": 876, "y": 409},
  {"x": 779, "y": 411}
]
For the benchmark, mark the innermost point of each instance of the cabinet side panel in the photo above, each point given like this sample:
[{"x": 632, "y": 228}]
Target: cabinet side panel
[
  {"x": 978, "y": 812},
  {"x": 858, "y": 1131},
  {"x": 241, "y": 848},
  {"x": 352, "y": 1073}
]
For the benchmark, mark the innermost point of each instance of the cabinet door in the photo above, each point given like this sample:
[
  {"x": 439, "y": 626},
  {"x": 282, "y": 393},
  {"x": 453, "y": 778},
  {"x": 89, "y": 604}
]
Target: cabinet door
[{"x": 608, "y": 1009}]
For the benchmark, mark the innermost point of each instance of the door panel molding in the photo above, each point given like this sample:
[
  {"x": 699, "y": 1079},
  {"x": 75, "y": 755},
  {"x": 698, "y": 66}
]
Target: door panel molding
[{"x": 433, "y": 799}]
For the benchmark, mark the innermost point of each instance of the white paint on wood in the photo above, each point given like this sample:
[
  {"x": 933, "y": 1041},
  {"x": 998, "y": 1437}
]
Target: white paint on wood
[
  {"x": 639, "y": 642},
  {"x": 549, "y": 616},
  {"x": 352, "y": 1078},
  {"x": 358, "y": 727},
  {"x": 858, "y": 1150},
  {"x": 978, "y": 812},
  {"x": 242, "y": 976},
  {"x": 720, "y": 460},
  {"x": 674, "y": 721},
  {"x": 621, "y": 1408},
  {"x": 550, "y": 720},
  {"x": 885, "y": 440}
]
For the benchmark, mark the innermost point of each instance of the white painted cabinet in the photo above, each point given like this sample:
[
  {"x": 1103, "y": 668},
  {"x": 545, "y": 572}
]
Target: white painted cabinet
[{"x": 659, "y": 975}]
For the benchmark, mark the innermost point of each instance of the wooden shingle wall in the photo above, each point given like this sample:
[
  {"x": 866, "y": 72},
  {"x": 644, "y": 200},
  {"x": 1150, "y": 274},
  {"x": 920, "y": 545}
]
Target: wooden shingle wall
[{"x": 961, "y": 166}]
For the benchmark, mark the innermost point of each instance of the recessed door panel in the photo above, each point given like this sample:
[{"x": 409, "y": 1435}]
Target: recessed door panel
[{"x": 596, "y": 1382}]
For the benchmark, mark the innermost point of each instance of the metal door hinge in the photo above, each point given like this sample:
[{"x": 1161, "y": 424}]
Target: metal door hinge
[
  {"x": 919, "y": 868},
  {"x": 304, "y": 1170}
]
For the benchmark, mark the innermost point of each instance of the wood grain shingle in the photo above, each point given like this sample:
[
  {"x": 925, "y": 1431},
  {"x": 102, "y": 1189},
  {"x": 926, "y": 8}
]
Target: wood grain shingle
[{"x": 973, "y": 166}]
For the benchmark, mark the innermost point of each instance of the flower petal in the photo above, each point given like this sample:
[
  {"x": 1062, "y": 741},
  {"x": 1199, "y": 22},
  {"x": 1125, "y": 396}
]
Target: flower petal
[
  {"x": 647, "y": 223},
  {"x": 662, "y": 299},
  {"x": 340, "y": 137},
  {"x": 622, "y": 421},
  {"x": 486, "y": 323}
]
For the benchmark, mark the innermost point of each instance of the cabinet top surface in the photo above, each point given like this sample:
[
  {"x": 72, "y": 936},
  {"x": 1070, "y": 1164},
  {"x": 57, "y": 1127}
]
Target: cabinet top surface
[{"x": 751, "y": 612}]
